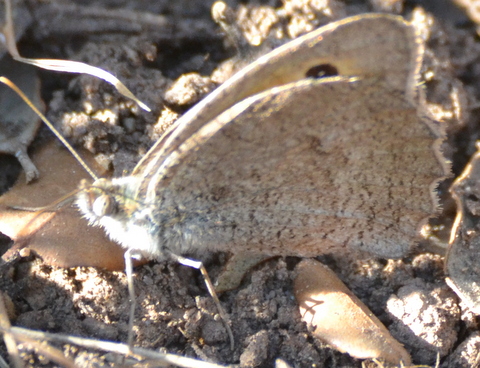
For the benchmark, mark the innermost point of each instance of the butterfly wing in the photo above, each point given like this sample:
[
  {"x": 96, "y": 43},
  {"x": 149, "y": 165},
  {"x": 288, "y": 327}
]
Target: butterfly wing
[
  {"x": 352, "y": 45},
  {"x": 307, "y": 168}
]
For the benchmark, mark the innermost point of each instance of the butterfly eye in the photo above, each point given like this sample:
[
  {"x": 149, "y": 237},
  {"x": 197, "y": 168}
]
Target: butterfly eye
[{"x": 103, "y": 205}]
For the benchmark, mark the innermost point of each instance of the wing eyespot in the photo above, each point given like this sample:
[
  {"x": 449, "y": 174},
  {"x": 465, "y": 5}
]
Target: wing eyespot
[{"x": 321, "y": 71}]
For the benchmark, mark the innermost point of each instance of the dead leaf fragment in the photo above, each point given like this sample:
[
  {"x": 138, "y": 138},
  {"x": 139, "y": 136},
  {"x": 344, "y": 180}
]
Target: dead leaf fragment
[
  {"x": 461, "y": 262},
  {"x": 62, "y": 238},
  {"x": 340, "y": 319},
  {"x": 19, "y": 123}
]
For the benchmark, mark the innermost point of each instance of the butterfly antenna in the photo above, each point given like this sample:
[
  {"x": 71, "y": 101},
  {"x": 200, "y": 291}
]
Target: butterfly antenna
[{"x": 12, "y": 85}]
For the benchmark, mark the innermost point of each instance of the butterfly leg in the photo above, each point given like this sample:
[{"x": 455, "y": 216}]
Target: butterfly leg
[
  {"x": 208, "y": 282},
  {"x": 129, "y": 256}
]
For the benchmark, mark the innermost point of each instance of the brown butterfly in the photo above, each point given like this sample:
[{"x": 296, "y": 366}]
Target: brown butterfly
[
  {"x": 320, "y": 146},
  {"x": 276, "y": 162}
]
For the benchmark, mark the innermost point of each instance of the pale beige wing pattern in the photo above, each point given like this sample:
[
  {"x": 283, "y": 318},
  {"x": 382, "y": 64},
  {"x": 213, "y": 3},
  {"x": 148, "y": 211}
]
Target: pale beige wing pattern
[
  {"x": 379, "y": 45},
  {"x": 304, "y": 169}
]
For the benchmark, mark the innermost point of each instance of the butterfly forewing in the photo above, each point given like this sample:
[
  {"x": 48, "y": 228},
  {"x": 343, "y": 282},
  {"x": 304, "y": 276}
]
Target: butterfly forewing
[{"x": 352, "y": 46}]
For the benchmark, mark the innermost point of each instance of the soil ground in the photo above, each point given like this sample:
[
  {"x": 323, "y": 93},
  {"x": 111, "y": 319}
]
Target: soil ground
[{"x": 175, "y": 313}]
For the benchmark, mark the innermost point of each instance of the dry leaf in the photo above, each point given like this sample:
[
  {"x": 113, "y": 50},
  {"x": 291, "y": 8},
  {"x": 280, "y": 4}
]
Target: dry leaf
[
  {"x": 61, "y": 238},
  {"x": 462, "y": 257},
  {"x": 340, "y": 319},
  {"x": 19, "y": 123}
]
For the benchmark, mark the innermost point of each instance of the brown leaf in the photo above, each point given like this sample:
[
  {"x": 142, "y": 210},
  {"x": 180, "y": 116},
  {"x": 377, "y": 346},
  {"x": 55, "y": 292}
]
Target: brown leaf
[
  {"x": 340, "y": 319},
  {"x": 62, "y": 237},
  {"x": 19, "y": 123},
  {"x": 461, "y": 262}
]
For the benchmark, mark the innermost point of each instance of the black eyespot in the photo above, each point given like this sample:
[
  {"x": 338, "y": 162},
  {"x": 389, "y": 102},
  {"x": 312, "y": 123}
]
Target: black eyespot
[
  {"x": 321, "y": 71},
  {"x": 472, "y": 197}
]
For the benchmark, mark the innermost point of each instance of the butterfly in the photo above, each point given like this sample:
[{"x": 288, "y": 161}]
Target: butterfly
[{"x": 320, "y": 146}]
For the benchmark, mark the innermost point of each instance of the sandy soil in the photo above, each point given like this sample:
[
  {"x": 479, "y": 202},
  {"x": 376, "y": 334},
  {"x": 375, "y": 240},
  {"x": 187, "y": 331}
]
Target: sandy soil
[{"x": 175, "y": 313}]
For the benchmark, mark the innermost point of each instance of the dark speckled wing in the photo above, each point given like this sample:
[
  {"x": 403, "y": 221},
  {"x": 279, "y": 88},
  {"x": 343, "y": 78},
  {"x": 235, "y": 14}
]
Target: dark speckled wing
[
  {"x": 308, "y": 168},
  {"x": 303, "y": 166}
]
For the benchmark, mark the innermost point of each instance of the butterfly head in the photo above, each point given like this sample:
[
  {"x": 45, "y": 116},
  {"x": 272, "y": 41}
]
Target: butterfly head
[
  {"x": 113, "y": 205},
  {"x": 113, "y": 198}
]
